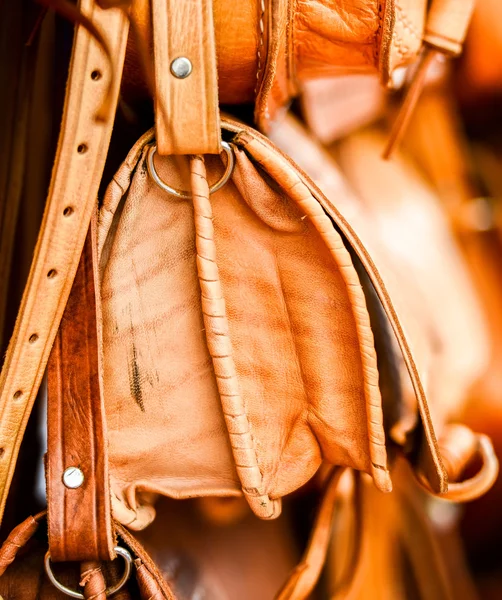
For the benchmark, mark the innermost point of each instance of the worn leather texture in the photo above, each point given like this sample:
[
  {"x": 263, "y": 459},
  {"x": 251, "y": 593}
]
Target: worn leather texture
[
  {"x": 79, "y": 520},
  {"x": 239, "y": 376},
  {"x": 438, "y": 387},
  {"x": 303, "y": 383}
]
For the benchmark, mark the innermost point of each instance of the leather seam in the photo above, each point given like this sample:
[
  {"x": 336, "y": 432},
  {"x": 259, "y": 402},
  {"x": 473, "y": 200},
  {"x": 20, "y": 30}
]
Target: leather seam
[{"x": 261, "y": 46}]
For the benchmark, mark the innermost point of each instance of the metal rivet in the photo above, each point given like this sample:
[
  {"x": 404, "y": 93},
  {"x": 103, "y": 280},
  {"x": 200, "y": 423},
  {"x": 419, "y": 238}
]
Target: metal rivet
[
  {"x": 181, "y": 67},
  {"x": 73, "y": 477}
]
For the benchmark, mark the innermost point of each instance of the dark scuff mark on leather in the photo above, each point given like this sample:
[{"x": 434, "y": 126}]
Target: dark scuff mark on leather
[
  {"x": 135, "y": 379},
  {"x": 134, "y": 372}
]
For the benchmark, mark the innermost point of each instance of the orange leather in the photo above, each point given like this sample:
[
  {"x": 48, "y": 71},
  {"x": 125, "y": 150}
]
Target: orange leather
[
  {"x": 481, "y": 65},
  {"x": 302, "y": 581},
  {"x": 266, "y": 49},
  {"x": 80, "y": 526},
  {"x": 449, "y": 359},
  {"x": 318, "y": 39},
  {"x": 187, "y": 119},
  {"x": 293, "y": 380},
  {"x": 79, "y": 163}
]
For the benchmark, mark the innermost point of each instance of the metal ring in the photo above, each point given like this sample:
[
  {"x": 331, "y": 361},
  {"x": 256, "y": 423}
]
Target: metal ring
[
  {"x": 181, "y": 193},
  {"x": 109, "y": 591}
]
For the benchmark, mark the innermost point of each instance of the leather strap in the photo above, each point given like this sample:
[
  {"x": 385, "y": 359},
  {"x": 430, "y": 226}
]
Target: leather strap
[
  {"x": 80, "y": 525},
  {"x": 79, "y": 163},
  {"x": 186, "y": 109},
  {"x": 447, "y": 24}
]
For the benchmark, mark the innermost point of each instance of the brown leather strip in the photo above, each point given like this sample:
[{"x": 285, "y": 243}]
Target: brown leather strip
[
  {"x": 187, "y": 119},
  {"x": 79, "y": 519}
]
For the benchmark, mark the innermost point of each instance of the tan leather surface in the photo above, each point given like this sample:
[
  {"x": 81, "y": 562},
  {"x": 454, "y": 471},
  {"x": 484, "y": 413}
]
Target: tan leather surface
[
  {"x": 79, "y": 520},
  {"x": 77, "y": 172},
  {"x": 187, "y": 119},
  {"x": 321, "y": 39},
  {"x": 306, "y": 380},
  {"x": 239, "y": 46},
  {"x": 403, "y": 26},
  {"x": 437, "y": 397}
]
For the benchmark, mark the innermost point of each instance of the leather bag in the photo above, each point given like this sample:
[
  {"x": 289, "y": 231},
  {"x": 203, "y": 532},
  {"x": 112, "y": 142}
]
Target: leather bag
[{"x": 222, "y": 341}]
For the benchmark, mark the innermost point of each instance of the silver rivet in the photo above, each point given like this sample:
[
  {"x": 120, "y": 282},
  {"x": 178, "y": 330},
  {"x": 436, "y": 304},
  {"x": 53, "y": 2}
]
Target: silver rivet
[
  {"x": 73, "y": 477},
  {"x": 181, "y": 67}
]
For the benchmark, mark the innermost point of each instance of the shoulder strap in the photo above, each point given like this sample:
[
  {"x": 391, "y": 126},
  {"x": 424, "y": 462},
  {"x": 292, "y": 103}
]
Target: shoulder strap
[{"x": 80, "y": 158}]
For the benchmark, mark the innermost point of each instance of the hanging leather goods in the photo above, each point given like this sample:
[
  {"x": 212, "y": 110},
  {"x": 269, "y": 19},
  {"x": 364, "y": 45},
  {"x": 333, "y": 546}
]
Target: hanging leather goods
[{"x": 445, "y": 31}]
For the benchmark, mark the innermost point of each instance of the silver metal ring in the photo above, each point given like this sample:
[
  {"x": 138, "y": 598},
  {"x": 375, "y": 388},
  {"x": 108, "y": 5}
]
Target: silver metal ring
[
  {"x": 109, "y": 591},
  {"x": 187, "y": 195}
]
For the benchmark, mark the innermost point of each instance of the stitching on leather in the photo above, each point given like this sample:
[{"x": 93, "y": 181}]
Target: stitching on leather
[
  {"x": 261, "y": 45},
  {"x": 378, "y": 33},
  {"x": 405, "y": 21},
  {"x": 291, "y": 45}
]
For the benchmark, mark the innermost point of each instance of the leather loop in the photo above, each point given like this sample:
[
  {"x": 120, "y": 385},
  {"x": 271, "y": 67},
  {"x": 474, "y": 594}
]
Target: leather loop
[
  {"x": 80, "y": 527},
  {"x": 459, "y": 455},
  {"x": 186, "y": 108},
  {"x": 79, "y": 163}
]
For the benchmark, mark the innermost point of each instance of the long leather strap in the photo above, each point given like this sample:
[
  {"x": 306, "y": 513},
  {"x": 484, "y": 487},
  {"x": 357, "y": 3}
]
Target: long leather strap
[
  {"x": 186, "y": 105},
  {"x": 79, "y": 518},
  {"x": 79, "y": 163}
]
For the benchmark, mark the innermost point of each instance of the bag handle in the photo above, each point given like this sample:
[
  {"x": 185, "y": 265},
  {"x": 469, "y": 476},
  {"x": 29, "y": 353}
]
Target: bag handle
[
  {"x": 187, "y": 119},
  {"x": 80, "y": 158}
]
